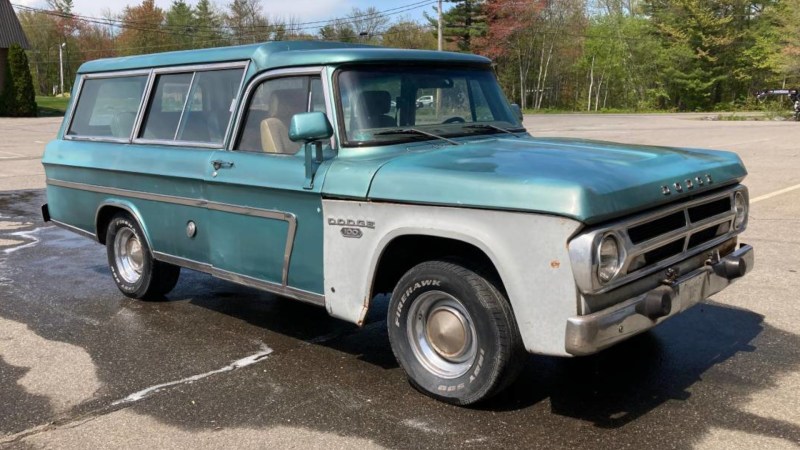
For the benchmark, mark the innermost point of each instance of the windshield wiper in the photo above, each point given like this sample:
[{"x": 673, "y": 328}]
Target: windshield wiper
[
  {"x": 486, "y": 126},
  {"x": 417, "y": 132}
]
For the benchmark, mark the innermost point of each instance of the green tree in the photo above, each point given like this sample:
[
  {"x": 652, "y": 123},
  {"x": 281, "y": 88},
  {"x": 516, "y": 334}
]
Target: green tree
[
  {"x": 143, "y": 30},
  {"x": 44, "y": 37},
  {"x": 339, "y": 30},
  {"x": 408, "y": 34},
  {"x": 209, "y": 23},
  {"x": 180, "y": 22},
  {"x": 7, "y": 103},
  {"x": 246, "y": 22},
  {"x": 18, "y": 95},
  {"x": 462, "y": 23},
  {"x": 706, "y": 42}
]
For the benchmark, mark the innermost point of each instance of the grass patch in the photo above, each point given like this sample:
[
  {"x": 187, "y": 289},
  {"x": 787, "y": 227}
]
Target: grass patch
[
  {"x": 759, "y": 116},
  {"x": 51, "y": 106}
]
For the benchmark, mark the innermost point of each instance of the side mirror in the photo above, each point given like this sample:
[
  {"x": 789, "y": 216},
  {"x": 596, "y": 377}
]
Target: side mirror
[
  {"x": 310, "y": 128},
  {"x": 517, "y": 111}
]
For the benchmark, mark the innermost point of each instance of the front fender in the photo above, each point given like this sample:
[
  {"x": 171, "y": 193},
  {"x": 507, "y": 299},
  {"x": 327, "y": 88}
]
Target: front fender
[{"x": 529, "y": 252}]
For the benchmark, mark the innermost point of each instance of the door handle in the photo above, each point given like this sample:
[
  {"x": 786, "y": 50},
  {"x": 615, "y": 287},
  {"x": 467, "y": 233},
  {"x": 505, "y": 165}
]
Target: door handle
[{"x": 219, "y": 164}]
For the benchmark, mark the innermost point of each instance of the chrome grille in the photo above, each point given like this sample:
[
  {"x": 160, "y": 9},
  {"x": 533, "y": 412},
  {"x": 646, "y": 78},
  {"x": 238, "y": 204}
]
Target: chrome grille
[
  {"x": 672, "y": 233},
  {"x": 657, "y": 239}
]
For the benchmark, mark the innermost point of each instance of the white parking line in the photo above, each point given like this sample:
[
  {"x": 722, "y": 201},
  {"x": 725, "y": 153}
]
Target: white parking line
[
  {"x": 238, "y": 364},
  {"x": 775, "y": 194}
]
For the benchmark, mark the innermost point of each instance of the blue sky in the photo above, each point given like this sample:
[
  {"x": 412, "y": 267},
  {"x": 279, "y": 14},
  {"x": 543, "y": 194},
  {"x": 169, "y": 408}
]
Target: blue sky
[{"x": 303, "y": 10}]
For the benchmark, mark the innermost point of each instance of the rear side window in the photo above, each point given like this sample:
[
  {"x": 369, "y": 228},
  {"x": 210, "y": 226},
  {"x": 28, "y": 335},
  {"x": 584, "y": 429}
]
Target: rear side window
[
  {"x": 191, "y": 106},
  {"x": 107, "y": 107}
]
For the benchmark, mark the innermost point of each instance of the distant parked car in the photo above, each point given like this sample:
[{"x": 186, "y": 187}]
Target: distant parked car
[{"x": 425, "y": 100}]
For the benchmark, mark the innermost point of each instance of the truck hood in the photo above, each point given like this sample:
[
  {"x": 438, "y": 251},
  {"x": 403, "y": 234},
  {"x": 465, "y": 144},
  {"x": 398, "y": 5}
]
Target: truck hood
[{"x": 590, "y": 181}]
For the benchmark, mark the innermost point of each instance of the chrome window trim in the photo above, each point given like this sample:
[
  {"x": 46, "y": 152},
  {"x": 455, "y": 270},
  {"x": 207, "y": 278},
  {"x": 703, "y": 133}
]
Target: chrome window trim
[
  {"x": 92, "y": 76},
  {"x": 137, "y": 124},
  {"x": 192, "y": 144},
  {"x": 201, "y": 67},
  {"x": 194, "y": 69},
  {"x": 183, "y": 109},
  {"x": 287, "y": 217},
  {"x": 583, "y": 247},
  {"x": 280, "y": 73}
]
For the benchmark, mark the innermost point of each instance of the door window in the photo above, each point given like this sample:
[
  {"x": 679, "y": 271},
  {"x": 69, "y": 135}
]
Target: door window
[
  {"x": 192, "y": 106},
  {"x": 269, "y": 113}
]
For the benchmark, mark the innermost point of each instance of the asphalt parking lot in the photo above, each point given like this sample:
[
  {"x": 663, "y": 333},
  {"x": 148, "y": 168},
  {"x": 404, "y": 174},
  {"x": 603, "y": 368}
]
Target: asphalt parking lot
[{"x": 218, "y": 365}]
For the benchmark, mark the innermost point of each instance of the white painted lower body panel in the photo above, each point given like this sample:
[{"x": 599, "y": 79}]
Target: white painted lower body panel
[{"x": 528, "y": 250}]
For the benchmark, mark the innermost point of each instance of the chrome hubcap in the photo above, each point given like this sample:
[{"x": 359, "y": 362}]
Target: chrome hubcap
[
  {"x": 442, "y": 334},
  {"x": 446, "y": 332},
  {"x": 128, "y": 255}
]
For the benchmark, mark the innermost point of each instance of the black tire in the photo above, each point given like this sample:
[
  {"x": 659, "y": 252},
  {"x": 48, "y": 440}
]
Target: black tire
[
  {"x": 156, "y": 278},
  {"x": 498, "y": 346}
]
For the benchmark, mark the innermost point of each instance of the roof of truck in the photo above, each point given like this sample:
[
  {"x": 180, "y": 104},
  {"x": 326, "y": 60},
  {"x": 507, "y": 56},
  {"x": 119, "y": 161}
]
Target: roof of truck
[{"x": 272, "y": 55}]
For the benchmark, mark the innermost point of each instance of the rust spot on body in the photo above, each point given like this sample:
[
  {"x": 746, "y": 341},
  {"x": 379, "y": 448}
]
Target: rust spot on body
[{"x": 555, "y": 264}]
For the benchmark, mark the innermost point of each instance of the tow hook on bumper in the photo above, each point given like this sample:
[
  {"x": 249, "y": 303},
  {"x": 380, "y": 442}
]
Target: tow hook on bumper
[{"x": 594, "y": 332}]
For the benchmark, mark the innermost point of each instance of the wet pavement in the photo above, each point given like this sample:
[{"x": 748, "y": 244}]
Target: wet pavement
[{"x": 222, "y": 365}]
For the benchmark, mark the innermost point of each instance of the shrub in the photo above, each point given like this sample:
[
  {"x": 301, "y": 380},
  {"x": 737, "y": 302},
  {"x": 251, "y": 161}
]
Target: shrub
[
  {"x": 19, "y": 97},
  {"x": 6, "y": 94}
]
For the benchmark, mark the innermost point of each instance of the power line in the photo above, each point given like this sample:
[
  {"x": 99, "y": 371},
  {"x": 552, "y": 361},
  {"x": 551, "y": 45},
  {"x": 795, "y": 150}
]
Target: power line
[{"x": 171, "y": 29}]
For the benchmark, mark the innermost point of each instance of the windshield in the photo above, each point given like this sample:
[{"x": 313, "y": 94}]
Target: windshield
[{"x": 382, "y": 105}]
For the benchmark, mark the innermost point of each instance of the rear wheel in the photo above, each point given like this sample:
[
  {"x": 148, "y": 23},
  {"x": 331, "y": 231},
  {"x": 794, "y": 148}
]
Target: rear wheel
[
  {"x": 133, "y": 268},
  {"x": 453, "y": 332}
]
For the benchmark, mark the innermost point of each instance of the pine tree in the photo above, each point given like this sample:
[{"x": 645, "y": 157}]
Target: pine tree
[
  {"x": 23, "y": 103},
  {"x": 462, "y": 23},
  {"x": 208, "y": 25},
  {"x": 180, "y": 22}
]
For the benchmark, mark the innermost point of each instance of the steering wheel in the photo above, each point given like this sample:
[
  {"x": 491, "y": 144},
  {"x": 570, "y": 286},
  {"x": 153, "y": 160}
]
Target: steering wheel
[{"x": 455, "y": 119}]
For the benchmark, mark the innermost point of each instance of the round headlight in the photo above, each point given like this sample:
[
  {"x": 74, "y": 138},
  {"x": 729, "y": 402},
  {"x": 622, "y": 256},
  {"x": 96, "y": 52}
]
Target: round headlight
[
  {"x": 609, "y": 258},
  {"x": 740, "y": 209}
]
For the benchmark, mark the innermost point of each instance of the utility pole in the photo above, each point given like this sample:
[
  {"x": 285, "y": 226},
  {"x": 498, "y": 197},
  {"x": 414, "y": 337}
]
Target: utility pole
[
  {"x": 61, "y": 65},
  {"x": 440, "y": 25},
  {"x": 438, "y": 99}
]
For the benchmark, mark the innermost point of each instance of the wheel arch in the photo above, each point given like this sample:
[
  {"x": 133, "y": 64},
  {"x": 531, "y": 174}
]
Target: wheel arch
[
  {"x": 395, "y": 259},
  {"x": 396, "y": 255},
  {"x": 108, "y": 209}
]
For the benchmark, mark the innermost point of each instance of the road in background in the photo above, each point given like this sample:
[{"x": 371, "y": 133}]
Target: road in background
[{"x": 82, "y": 366}]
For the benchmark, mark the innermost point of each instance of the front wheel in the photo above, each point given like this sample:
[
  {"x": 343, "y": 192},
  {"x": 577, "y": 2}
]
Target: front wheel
[
  {"x": 135, "y": 272},
  {"x": 453, "y": 332}
]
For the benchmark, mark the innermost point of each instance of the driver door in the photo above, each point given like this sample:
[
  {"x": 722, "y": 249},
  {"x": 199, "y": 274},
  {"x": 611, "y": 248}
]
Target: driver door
[{"x": 266, "y": 228}]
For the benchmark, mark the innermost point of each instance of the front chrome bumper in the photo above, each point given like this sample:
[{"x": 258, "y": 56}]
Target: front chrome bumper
[{"x": 593, "y": 332}]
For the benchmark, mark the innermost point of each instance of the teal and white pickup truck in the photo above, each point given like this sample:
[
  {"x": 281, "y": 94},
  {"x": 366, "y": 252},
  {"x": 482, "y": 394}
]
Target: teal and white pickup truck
[{"x": 307, "y": 169}]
